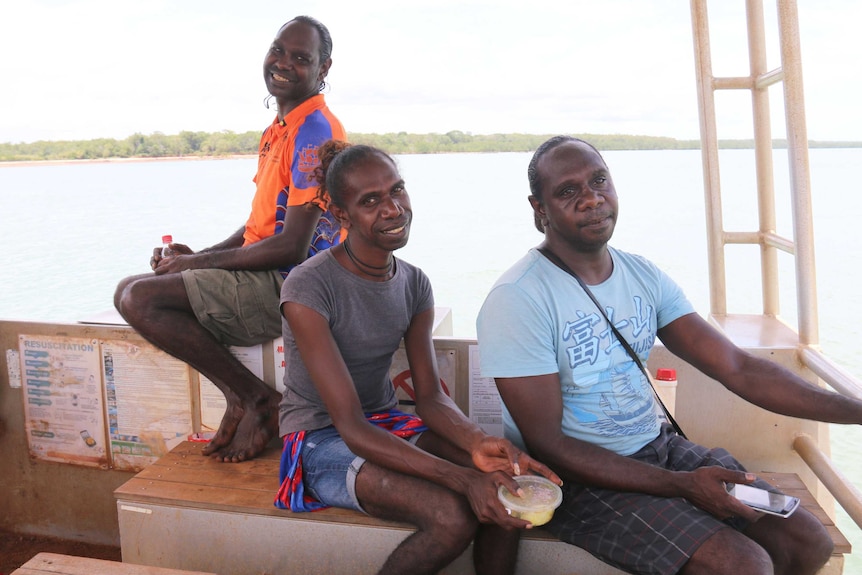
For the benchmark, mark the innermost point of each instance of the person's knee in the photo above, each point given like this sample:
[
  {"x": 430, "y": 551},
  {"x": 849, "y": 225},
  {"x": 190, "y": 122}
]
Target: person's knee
[
  {"x": 440, "y": 513},
  {"x": 120, "y": 291},
  {"x": 134, "y": 298},
  {"x": 128, "y": 298},
  {"x": 824, "y": 545},
  {"x": 452, "y": 520},
  {"x": 814, "y": 554},
  {"x": 729, "y": 552},
  {"x": 805, "y": 549},
  {"x": 458, "y": 515}
]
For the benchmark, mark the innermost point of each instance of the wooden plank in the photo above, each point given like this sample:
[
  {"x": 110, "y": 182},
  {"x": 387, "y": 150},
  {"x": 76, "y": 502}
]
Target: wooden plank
[
  {"x": 184, "y": 475},
  {"x": 45, "y": 563},
  {"x": 186, "y": 494},
  {"x": 258, "y": 465},
  {"x": 232, "y": 501},
  {"x": 193, "y": 448},
  {"x": 791, "y": 484},
  {"x": 209, "y": 477}
]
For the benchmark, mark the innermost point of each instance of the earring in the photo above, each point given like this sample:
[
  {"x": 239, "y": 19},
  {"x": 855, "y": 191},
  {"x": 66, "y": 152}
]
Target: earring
[{"x": 269, "y": 98}]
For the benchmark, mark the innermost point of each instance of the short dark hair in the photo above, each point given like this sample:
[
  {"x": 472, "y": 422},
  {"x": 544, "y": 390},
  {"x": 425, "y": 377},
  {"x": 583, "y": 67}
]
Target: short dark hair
[
  {"x": 533, "y": 172},
  {"x": 336, "y": 159},
  {"x": 544, "y": 147},
  {"x": 322, "y": 31}
]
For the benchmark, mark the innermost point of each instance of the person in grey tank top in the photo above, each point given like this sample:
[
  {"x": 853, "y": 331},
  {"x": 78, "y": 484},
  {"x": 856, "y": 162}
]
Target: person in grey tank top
[{"x": 346, "y": 311}]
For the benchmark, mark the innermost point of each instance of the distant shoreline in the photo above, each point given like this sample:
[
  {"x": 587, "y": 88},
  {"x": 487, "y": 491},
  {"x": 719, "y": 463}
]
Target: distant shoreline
[
  {"x": 26, "y": 163},
  {"x": 228, "y": 146}
]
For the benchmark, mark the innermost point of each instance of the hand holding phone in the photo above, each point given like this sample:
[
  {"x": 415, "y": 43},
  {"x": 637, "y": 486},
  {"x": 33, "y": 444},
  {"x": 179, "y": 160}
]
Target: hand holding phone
[{"x": 762, "y": 500}]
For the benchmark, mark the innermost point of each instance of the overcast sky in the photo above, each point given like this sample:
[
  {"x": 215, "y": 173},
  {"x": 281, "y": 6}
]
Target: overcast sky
[{"x": 81, "y": 69}]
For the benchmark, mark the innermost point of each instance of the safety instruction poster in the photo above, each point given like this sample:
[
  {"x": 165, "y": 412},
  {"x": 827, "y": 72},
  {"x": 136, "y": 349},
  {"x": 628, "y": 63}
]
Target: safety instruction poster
[
  {"x": 148, "y": 402},
  {"x": 213, "y": 403},
  {"x": 63, "y": 404},
  {"x": 486, "y": 407}
]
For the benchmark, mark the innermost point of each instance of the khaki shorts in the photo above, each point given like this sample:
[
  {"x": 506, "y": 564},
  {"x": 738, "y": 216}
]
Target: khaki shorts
[{"x": 237, "y": 307}]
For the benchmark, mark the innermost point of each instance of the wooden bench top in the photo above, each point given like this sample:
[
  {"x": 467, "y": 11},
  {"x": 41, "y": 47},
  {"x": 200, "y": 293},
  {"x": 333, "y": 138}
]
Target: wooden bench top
[
  {"x": 45, "y": 563},
  {"x": 185, "y": 478},
  {"x": 791, "y": 484}
]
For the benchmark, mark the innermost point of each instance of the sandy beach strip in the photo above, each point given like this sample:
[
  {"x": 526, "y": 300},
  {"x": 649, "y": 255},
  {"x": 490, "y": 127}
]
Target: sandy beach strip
[{"x": 31, "y": 163}]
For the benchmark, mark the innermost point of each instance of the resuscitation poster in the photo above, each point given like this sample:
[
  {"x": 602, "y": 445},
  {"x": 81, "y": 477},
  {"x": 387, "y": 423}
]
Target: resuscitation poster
[
  {"x": 63, "y": 404},
  {"x": 148, "y": 402}
]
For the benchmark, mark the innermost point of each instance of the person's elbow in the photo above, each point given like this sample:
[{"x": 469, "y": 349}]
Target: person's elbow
[
  {"x": 544, "y": 446},
  {"x": 287, "y": 252},
  {"x": 357, "y": 434}
]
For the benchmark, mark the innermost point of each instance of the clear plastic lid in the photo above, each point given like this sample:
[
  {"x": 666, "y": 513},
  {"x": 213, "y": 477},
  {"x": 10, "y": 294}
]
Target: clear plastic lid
[{"x": 540, "y": 494}]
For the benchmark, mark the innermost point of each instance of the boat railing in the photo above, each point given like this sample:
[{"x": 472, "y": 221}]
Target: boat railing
[
  {"x": 835, "y": 482},
  {"x": 770, "y": 243}
]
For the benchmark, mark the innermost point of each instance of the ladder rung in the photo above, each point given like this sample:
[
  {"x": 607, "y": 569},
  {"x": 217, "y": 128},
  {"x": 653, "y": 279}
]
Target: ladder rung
[
  {"x": 768, "y": 79},
  {"x": 732, "y": 83},
  {"x": 770, "y": 239}
]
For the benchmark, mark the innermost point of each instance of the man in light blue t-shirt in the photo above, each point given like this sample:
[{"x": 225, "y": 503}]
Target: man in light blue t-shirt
[
  {"x": 606, "y": 399},
  {"x": 637, "y": 495}
]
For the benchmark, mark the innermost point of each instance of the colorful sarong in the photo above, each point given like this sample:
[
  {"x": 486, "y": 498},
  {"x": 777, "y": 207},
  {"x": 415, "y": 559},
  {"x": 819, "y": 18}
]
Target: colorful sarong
[{"x": 291, "y": 495}]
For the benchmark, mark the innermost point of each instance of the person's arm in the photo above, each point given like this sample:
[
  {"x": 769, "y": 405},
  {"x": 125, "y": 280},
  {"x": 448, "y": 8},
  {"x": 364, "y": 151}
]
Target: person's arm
[
  {"x": 759, "y": 381},
  {"x": 440, "y": 413},
  {"x": 235, "y": 240},
  {"x": 536, "y": 405},
  {"x": 280, "y": 250},
  {"x": 333, "y": 381}
]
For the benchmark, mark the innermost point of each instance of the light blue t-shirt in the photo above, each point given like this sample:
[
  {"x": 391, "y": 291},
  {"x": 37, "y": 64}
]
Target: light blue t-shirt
[{"x": 537, "y": 320}]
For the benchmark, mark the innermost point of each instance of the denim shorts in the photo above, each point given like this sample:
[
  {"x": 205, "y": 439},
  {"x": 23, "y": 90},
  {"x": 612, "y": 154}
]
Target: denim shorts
[{"x": 329, "y": 468}]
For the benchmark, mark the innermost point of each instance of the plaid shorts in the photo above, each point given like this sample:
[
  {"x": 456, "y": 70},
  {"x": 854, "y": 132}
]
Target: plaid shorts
[{"x": 642, "y": 533}]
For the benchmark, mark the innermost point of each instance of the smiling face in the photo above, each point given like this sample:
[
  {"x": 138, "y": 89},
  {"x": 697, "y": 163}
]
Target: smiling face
[
  {"x": 292, "y": 68},
  {"x": 578, "y": 204},
  {"x": 374, "y": 206}
]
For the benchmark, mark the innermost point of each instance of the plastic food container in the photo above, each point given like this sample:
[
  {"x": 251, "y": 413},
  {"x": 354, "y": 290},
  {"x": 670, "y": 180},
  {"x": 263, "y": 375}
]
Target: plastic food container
[{"x": 541, "y": 497}]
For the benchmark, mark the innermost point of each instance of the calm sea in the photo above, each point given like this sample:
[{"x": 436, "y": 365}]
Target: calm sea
[{"x": 70, "y": 232}]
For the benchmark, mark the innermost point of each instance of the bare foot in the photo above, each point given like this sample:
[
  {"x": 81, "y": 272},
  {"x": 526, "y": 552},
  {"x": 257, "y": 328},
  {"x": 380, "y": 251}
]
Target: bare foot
[
  {"x": 226, "y": 430},
  {"x": 258, "y": 425}
]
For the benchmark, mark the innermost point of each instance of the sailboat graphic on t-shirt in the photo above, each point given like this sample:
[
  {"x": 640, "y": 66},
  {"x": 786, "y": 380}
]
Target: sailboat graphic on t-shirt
[{"x": 623, "y": 403}]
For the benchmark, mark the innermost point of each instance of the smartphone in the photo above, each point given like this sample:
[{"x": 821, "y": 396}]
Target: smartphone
[
  {"x": 765, "y": 501},
  {"x": 88, "y": 439}
]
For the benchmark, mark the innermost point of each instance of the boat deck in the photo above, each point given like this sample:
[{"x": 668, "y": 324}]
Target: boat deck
[{"x": 58, "y": 564}]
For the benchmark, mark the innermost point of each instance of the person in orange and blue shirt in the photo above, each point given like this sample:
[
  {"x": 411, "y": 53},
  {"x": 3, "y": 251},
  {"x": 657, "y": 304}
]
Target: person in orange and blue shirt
[{"x": 197, "y": 303}]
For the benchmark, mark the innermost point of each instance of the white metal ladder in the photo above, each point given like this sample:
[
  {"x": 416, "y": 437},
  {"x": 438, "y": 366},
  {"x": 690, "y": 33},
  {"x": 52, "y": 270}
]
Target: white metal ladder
[
  {"x": 757, "y": 82},
  {"x": 801, "y": 247}
]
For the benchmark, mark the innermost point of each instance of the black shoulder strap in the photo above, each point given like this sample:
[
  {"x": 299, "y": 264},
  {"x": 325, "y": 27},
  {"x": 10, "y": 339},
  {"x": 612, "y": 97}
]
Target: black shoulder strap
[{"x": 562, "y": 265}]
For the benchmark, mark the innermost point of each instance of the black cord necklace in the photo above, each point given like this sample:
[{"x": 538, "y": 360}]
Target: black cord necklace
[{"x": 387, "y": 269}]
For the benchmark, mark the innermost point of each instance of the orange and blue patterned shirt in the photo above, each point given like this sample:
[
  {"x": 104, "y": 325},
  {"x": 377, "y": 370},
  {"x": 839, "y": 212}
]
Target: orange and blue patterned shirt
[{"x": 286, "y": 162}]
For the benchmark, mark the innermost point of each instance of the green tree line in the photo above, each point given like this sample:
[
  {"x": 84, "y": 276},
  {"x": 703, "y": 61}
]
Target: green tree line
[{"x": 227, "y": 143}]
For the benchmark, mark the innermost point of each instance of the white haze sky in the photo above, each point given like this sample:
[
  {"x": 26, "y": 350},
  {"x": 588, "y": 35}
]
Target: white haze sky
[{"x": 82, "y": 69}]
